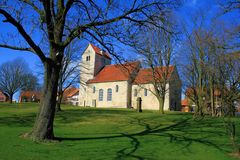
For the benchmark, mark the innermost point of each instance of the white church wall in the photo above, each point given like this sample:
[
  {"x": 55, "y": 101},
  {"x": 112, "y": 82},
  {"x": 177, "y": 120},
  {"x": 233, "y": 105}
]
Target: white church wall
[
  {"x": 118, "y": 100},
  {"x": 150, "y": 101}
]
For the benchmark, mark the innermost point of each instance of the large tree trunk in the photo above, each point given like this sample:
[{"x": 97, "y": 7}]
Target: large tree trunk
[
  {"x": 43, "y": 127},
  {"x": 161, "y": 105}
]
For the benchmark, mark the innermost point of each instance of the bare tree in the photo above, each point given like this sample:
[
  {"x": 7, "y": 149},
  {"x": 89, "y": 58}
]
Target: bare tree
[
  {"x": 15, "y": 76},
  {"x": 62, "y": 21},
  {"x": 230, "y": 73},
  {"x": 69, "y": 73},
  {"x": 155, "y": 47},
  {"x": 204, "y": 44},
  {"x": 229, "y": 78}
]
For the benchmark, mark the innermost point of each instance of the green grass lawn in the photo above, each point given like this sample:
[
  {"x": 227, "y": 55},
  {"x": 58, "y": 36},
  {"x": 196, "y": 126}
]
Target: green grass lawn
[{"x": 87, "y": 133}]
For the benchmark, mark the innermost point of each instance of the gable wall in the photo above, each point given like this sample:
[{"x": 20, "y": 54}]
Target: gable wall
[
  {"x": 100, "y": 62},
  {"x": 150, "y": 101}
]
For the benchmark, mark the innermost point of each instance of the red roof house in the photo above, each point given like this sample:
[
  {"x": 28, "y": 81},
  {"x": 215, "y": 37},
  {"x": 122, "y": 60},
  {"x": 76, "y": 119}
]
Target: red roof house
[
  {"x": 30, "y": 96},
  {"x": 70, "y": 96},
  {"x": 3, "y": 97},
  {"x": 185, "y": 105}
]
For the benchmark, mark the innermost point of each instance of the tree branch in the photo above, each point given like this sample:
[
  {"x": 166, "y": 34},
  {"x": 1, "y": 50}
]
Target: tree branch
[
  {"x": 80, "y": 29},
  {"x": 39, "y": 11},
  {"x": 17, "y": 48},
  {"x": 21, "y": 30}
]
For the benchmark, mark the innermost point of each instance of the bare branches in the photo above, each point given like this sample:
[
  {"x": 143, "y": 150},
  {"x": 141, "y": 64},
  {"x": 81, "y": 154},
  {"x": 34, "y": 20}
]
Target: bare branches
[
  {"x": 230, "y": 5},
  {"x": 14, "y": 76},
  {"x": 31, "y": 4},
  {"x": 21, "y": 30},
  {"x": 17, "y": 48},
  {"x": 126, "y": 15}
]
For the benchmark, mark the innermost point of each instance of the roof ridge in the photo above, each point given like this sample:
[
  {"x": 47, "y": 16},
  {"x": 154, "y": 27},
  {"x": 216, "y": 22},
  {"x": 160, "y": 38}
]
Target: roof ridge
[
  {"x": 121, "y": 64},
  {"x": 159, "y": 67},
  {"x": 98, "y": 50}
]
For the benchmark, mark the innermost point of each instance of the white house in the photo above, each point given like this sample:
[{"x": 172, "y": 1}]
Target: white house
[{"x": 118, "y": 86}]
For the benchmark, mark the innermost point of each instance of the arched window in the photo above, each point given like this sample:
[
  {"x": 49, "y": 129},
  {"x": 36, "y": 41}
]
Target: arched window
[
  {"x": 109, "y": 94},
  {"x": 145, "y": 92},
  {"x": 117, "y": 88},
  {"x": 94, "y": 89},
  {"x": 135, "y": 92},
  {"x": 100, "y": 95}
]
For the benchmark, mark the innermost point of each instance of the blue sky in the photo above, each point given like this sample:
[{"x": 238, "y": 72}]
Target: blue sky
[{"x": 183, "y": 14}]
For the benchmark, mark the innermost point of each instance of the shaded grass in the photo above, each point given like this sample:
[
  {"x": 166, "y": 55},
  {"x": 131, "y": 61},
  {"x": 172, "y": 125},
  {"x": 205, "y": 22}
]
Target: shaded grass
[{"x": 88, "y": 133}]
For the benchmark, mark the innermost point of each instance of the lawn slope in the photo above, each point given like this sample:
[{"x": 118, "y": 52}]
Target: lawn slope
[{"x": 86, "y": 133}]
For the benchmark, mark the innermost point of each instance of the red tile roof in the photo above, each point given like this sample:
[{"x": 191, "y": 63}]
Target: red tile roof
[
  {"x": 29, "y": 94},
  {"x": 145, "y": 75},
  {"x": 184, "y": 102},
  {"x": 100, "y": 51},
  {"x": 118, "y": 72},
  {"x": 191, "y": 91},
  {"x": 69, "y": 92}
]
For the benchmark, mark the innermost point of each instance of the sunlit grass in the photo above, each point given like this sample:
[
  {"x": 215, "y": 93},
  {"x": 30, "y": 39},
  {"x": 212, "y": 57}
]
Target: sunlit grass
[{"x": 90, "y": 133}]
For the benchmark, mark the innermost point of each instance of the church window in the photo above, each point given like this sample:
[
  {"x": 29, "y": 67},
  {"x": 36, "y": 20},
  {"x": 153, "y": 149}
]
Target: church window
[
  {"x": 88, "y": 58},
  {"x": 100, "y": 95},
  {"x": 117, "y": 87},
  {"x": 145, "y": 92},
  {"x": 109, "y": 94},
  {"x": 94, "y": 89},
  {"x": 135, "y": 92}
]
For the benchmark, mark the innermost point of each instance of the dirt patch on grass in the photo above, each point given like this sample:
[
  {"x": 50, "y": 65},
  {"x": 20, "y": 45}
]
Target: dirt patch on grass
[{"x": 235, "y": 154}]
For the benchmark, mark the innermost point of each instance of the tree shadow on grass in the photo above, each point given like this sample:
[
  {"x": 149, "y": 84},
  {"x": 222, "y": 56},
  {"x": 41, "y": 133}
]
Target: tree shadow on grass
[
  {"x": 68, "y": 116},
  {"x": 18, "y": 120},
  {"x": 183, "y": 132}
]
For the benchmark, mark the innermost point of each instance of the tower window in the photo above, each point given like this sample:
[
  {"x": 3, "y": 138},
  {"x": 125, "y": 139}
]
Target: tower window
[
  {"x": 117, "y": 87},
  {"x": 109, "y": 94},
  {"x": 100, "y": 95},
  {"x": 94, "y": 89},
  {"x": 88, "y": 58}
]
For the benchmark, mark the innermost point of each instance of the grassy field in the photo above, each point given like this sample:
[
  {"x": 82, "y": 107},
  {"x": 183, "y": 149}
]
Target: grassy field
[{"x": 101, "y": 134}]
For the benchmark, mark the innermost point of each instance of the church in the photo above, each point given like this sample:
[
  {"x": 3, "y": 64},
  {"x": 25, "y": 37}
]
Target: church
[{"x": 106, "y": 85}]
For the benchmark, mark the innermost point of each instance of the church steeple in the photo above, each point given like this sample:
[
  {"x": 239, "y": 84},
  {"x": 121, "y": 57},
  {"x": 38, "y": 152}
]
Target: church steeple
[{"x": 93, "y": 60}]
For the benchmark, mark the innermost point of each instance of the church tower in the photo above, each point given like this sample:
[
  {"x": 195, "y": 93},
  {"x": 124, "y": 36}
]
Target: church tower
[{"x": 93, "y": 60}]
